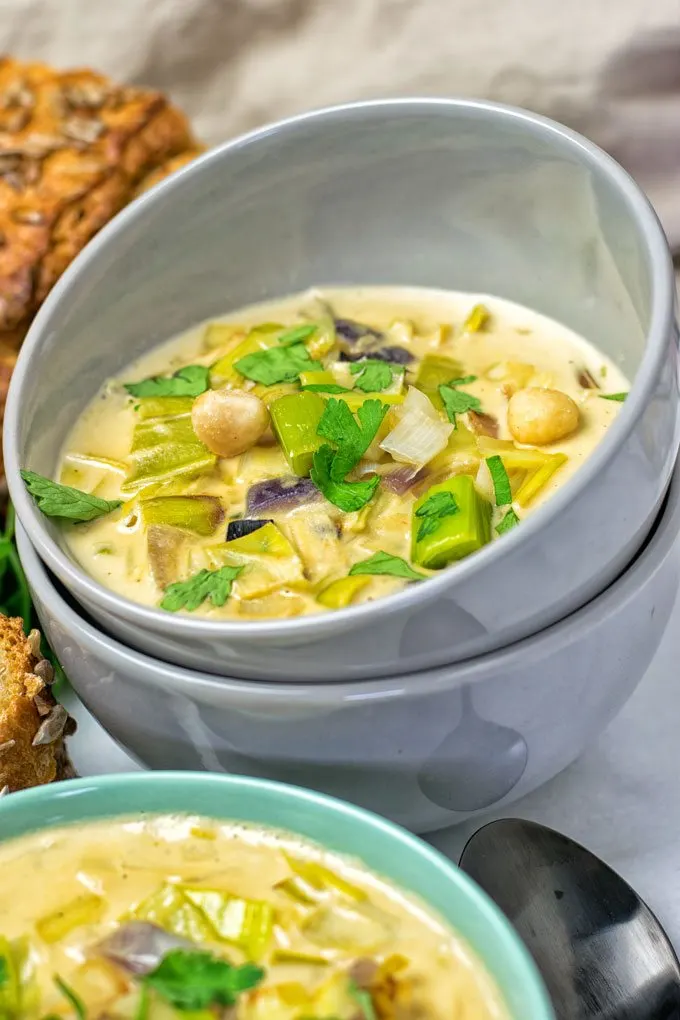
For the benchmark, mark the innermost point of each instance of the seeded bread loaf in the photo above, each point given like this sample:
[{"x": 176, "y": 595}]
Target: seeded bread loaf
[
  {"x": 74, "y": 149},
  {"x": 32, "y": 724}
]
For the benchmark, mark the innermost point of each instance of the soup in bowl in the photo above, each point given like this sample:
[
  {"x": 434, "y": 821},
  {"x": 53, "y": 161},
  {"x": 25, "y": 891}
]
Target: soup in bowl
[
  {"x": 325, "y": 450},
  {"x": 165, "y": 912}
]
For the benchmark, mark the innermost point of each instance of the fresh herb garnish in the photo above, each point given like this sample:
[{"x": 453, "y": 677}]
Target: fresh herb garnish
[
  {"x": 363, "y": 999},
  {"x": 373, "y": 375},
  {"x": 352, "y": 438},
  {"x": 206, "y": 584},
  {"x": 433, "y": 511},
  {"x": 384, "y": 563},
  {"x": 463, "y": 381},
  {"x": 276, "y": 364},
  {"x": 55, "y": 500},
  {"x": 347, "y": 496},
  {"x": 192, "y": 980},
  {"x": 190, "y": 381},
  {"x": 501, "y": 482},
  {"x": 507, "y": 522},
  {"x": 619, "y": 397},
  {"x": 456, "y": 402},
  {"x": 325, "y": 388},
  {"x": 4, "y": 971},
  {"x": 73, "y": 998},
  {"x": 296, "y": 335}
]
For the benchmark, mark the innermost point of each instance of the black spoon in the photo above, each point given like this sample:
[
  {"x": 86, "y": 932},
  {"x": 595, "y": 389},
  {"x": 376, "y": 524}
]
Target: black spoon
[{"x": 601, "y": 950}]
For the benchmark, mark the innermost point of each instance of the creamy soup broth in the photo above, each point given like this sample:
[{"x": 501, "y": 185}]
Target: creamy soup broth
[
  {"x": 84, "y": 907},
  {"x": 498, "y": 352}
]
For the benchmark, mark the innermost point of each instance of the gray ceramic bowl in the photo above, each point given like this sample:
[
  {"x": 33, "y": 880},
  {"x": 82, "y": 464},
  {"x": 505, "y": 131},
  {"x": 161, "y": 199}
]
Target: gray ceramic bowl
[
  {"x": 441, "y": 193},
  {"x": 426, "y": 749}
]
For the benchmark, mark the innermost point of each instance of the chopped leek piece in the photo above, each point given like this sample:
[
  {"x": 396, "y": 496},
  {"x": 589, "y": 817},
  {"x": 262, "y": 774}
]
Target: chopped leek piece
[
  {"x": 351, "y": 927},
  {"x": 85, "y": 909},
  {"x": 355, "y": 400},
  {"x": 270, "y": 560},
  {"x": 477, "y": 319},
  {"x": 323, "y": 879},
  {"x": 164, "y": 407},
  {"x": 296, "y": 956},
  {"x": 19, "y": 990},
  {"x": 169, "y": 908},
  {"x": 515, "y": 458},
  {"x": 325, "y": 339},
  {"x": 284, "y": 1001},
  {"x": 456, "y": 534},
  {"x": 219, "y": 334},
  {"x": 298, "y": 890},
  {"x": 242, "y": 922},
  {"x": 198, "y": 514},
  {"x": 420, "y": 433},
  {"x": 364, "y": 1001},
  {"x": 316, "y": 538},
  {"x": 162, "y": 449},
  {"x": 74, "y": 1000},
  {"x": 342, "y": 592},
  {"x": 295, "y": 419},
  {"x": 532, "y": 485},
  {"x": 434, "y": 372},
  {"x": 261, "y": 338}
]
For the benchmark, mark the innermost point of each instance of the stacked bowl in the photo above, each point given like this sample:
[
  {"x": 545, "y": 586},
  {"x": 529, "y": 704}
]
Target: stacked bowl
[{"x": 469, "y": 690}]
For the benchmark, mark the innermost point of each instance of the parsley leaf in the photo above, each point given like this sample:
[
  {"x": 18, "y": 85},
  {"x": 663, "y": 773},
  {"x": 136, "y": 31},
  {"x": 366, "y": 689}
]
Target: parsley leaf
[
  {"x": 352, "y": 438},
  {"x": 55, "y": 500},
  {"x": 619, "y": 397},
  {"x": 501, "y": 482},
  {"x": 75, "y": 1000},
  {"x": 4, "y": 971},
  {"x": 364, "y": 1000},
  {"x": 372, "y": 375},
  {"x": 456, "y": 402},
  {"x": 433, "y": 510},
  {"x": 192, "y": 979},
  {"x": 296, "y": 335},
  {"x": 463, "y": 381},
  {"x": 190, "y": 381},
  {"x": 384, "y": 563},
  {"x": 348, "y": 496},
  {"x": 325, "y": 388},
  {"x": 206, "y": 584},
  {"x": 276, "y": 364},
  {"x": 508, "y": 521}
]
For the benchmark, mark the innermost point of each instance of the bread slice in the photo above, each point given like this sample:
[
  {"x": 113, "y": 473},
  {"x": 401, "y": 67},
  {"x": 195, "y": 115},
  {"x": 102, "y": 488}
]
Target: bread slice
[
  {"x": 74, "y": 149},
  {"x": 32, "y": 724}
]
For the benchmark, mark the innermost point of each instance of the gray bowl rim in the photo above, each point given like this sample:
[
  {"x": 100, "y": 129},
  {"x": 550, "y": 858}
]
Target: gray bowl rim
[
  {"x": 180, "y": 679},
  {"x": 662, "y": 278}
]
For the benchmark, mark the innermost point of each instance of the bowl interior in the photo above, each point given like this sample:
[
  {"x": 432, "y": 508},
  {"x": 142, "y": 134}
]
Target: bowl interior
[{"x": 382, "y": 846}]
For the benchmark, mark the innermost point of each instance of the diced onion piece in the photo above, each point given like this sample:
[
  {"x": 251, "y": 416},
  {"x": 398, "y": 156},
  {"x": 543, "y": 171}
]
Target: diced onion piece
[{"x": 420, "y": 434}]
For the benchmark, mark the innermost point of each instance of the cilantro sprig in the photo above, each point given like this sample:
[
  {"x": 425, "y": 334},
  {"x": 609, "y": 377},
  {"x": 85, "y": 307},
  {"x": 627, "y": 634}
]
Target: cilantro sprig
[
  {"x": 277, "y": 364},
  {"x": 373, "y": 375},
  {"x": 194, "y": 979},
  {"x": 215, "y": 585},
  {"x": 190, "y": 381},
  {"x": 297, "y": 334},
  {"x": 455, "y": 402},
  {"x": 384, "y": 563},
  {"x": 55, "y": 500},
  {"x": 618, "y": 397},
  {"x": 352, "y": 438},
  {"x": 433, "y": 511}
]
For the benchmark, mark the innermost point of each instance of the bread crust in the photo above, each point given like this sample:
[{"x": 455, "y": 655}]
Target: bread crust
[
  {"x": 74, "y": 149},
  {"x": 32, "y": 724}
]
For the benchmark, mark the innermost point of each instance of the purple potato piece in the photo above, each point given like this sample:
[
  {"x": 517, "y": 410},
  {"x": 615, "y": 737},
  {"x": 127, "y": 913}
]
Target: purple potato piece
[
  {"x": 244, "y": 526},
  {"x": 280, "y": 494},
  {"x": 401, "y": 479},
  {"x": 139, "y": 946},
  {"x": 352, "y": 331}
]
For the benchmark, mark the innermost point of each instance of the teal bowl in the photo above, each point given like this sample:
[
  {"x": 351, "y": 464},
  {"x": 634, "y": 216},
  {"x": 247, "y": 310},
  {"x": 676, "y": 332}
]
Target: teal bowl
[{"x": 382, "y": 846}]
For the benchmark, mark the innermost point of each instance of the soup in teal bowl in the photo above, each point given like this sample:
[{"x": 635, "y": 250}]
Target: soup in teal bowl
[{"x": 200, "y": 896}]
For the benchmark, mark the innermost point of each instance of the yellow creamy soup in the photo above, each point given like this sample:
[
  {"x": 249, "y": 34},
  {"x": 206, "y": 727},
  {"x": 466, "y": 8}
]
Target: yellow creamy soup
[
  {"x": 184, "y": 917},
  {"x": 330, "y": 448}
]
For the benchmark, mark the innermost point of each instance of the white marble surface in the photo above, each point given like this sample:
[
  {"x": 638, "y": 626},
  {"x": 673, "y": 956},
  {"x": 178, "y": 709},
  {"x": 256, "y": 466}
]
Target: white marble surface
[{"x": 621, "y": 799}]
